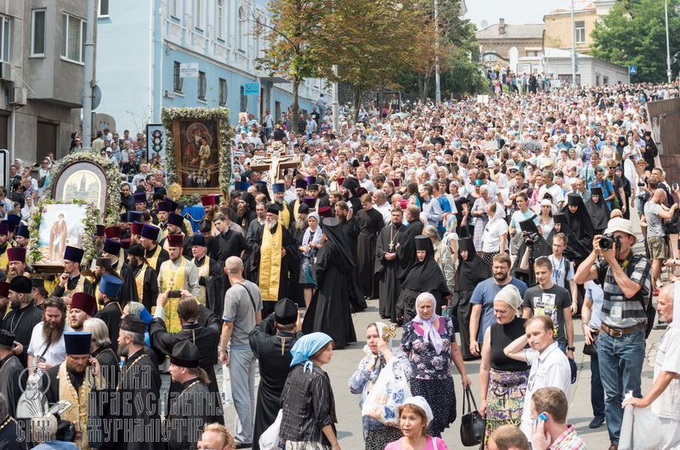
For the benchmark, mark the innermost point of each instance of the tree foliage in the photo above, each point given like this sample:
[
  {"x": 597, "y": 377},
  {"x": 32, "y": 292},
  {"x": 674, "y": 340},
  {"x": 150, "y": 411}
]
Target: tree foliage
[{"x": 634, "y": 33}]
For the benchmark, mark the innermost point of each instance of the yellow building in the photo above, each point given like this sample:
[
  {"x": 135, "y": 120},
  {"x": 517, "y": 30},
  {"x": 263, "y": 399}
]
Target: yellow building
[{"x": 558, "y": 27}]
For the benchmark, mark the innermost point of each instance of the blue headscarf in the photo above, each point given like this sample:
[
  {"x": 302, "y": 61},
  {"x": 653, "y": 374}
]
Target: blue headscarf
[{"x": 306, "y": 347}]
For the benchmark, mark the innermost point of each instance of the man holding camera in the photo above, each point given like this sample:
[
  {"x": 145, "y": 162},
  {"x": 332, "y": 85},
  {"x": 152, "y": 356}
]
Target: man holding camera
[{"x": 626, "y": 281}]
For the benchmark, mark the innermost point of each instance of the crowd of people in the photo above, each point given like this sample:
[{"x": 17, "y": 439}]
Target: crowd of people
[{"x": 484, "y": 227}]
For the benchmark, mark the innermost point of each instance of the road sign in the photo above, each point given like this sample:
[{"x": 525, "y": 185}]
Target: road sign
[
  {"x": 632, "y": 70},
  {"x": 251, "y": 88},
  {"x": 188, "y": 70}
]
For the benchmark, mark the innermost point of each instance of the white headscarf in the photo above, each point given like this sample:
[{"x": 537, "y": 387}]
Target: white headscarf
[
  {"x": 510, "y": 295},
  {"x": 422, "y": 404},
  {"x": 380, "y": 326},
  {"x": 430, "y": 333}
]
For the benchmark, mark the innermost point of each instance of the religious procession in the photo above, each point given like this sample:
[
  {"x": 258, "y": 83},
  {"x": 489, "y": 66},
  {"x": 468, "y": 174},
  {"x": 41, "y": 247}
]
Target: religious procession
[{"x": 143, "y": 299}]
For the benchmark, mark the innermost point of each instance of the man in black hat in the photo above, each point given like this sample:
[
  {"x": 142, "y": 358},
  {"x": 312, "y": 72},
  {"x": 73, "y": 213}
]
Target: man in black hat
[
  {"x": 10, "y": 371},
  {"x": 389, "y": 241},
  {"x": 139, "y": 384},
  {"x": 128, "y": 292},
  {"x": 72, "y": 280},
  {"x": 112, "y": 312},
  {"x": 76, "y": 381},
  {"x": 24, "y": 315},
  {"x": 349, "y": 190},
  {"x": 154, "y": 253},
  {"x": 146, "y": 278},
  {"x": 254, "y": 229},
  {"x": 22, "y": 236},
  {"x": 271, "y": 341},
  {"x": 174, "y": 226},
  {"x": 209, "y": 275}
]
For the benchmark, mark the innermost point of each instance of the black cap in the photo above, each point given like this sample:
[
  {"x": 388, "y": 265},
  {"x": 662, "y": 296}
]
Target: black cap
[
  {"x": 273, "y": 209},
  {"x": 133, "y": 324},
  {"x": 286, "y": 311},
  {"x": 466, "y": 244},
  {"x": 77, "y": 342},
  {"x": 422, "y": 243},
  {"x": 573, "y": 199},
  {"x": 198, "y": 240},
  {"x": 136, "y": 250},
  {"x": 21, "y": 285},
  {"x": 185, "y": 354},
  {"x": 560, "y": 218},
  {"x": 596, "y": 191},
  {"x": 7, "y": 338}
]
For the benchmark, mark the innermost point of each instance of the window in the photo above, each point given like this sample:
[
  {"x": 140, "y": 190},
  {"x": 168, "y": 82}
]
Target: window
[
  {"x": 241, "y": 29},
  {"x": 177, "y": 82},
  {"x": 73, "y": 32},
  {"x": 220, "y": 20},
  {"x": 38, "y": 32},
  {"x": 5, "y": 37},
  {"x": 605, "y": 81},
  {"x": 198, "y": 14},
  {"x": 103, "y": 8},
  {"x": 580, "y": 31},
  {"x": 223, "y": 92},
  {"x": 244, "y": 100},
  {"x": 173, "y": 7},
  {"x": 201, "y": 85}
]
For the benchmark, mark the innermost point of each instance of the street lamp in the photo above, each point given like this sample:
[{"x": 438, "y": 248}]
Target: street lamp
[
  {"x": 668, "y": 46},
  {"x": 437, "y": 80},
  {"x": 573, "y": 45}
]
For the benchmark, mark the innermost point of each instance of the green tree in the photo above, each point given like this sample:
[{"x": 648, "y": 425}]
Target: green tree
[{"x": 634, "y": 33}]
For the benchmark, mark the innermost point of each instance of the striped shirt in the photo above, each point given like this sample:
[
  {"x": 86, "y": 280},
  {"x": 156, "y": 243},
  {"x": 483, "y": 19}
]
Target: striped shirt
[{"x": 617, "y": 310}]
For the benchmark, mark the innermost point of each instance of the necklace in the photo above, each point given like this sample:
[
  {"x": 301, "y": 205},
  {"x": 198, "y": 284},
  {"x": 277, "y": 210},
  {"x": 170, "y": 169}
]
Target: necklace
[
  {"x": 6, "y": 422},
  {"x": 12, "y": 325},
  {"x": 393, "y": 237}
]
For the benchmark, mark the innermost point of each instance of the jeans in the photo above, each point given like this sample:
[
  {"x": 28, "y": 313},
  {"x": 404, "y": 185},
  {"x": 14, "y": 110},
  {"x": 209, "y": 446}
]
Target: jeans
[
  {"x": 596, "y": 388},
  {"x": 242, "y": 373},
  {"x": 620, "y": 370}
]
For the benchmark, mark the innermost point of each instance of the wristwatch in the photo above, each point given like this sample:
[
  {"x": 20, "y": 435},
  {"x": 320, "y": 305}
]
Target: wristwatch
[{"x": 571, "y": 349}]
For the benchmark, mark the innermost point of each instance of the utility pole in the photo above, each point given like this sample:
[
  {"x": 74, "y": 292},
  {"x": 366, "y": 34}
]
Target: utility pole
[
  {"x": 89, "y": 75},
  {"x": 335, "y": 104},
  {"x": 573, "y": 45},
  {"x": 437, "y": 79},
  {"x": 668, "y": 45}
]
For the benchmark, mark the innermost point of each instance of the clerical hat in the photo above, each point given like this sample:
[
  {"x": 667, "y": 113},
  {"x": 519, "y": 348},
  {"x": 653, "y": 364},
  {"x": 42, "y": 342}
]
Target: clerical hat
[
  {"x": 325, "y": 211},
  {"x": 242, "y": 186},
  {"x": 560, "y": 218},
  {"x": 84, "y": 302},
  {"x": 4, "y": 228},
  {"x": 23, "y": 231},
  {"x": 164, "y": 206},
  {"x": 198, "y": 240},
  {"x": 110, "y": 285},
  {"x": 278, "y": 188},
  {"x": 112, "y": 247},
  {"x": 7, "y": 338},
  {"x": 78, "y": 342},
  {"x": 136, "y": 228},
  {"x": 135, "y": 216},
  {"x": 21, "y": 285},
  {"x": 112, "y": 232},
  {"x": 4, "y": 288},
  {"x": 16, "y": 254},
  {"x": 596, "y": 191},
  {"x": 140, "y": 197},
  {"x": 285, "y": 311},
  {"x": 310, "y": 180},
  {"x": 313, "y": 187},
  {"x": 184, "y": 354},
  {"x": 300, "y": 184},
  {"x": 310, "y": 201},
  {"x": 423, "y": 243},
  {"x": 175, "y": 240},
  {"x": 303, "y": 209},
  {"x": 273, "y": 209},
  {"x": 136, "y": 250},
  {"x": 175, "y": 219},
  {"x": 14, "y": 221},
  {"x": 150, "y": 232},
  {"x": 132, "y": 324},
  {"x": 74, "y": 254},
  {"x": 104, "y": 263},
  {"x": 573, "y": 199},
  {"x": 100, "y": 230}
]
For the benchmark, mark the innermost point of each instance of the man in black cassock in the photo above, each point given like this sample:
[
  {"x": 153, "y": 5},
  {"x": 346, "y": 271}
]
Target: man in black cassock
[
  {"x": 10, "y": 371},
  {"x": 271, "y": 341},
  {"x": 407, "y": 251},
  {"x": 72, "y": 280},
  {"x": 297, "y": 230},
  {"x": 370, "y": 223},
  {"x": 227, "y": 243},
  {"x": 24, "y": 314},
  {"x": 251, "y": 271},
  {"x": 146, "y": 278},
  {"x": 128, "y": 292},
  {"x": 387, "y": 265},
  {"x": 137, "y": 397},
  {"x": 9, "y": 434},
  {"x": 111, "y": 313},
  {"x": 349, "y": 227},
  {"x": 210, "y": 274}
]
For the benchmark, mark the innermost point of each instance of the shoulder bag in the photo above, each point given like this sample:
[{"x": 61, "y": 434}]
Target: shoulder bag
[{"x": 472, "y": 423}]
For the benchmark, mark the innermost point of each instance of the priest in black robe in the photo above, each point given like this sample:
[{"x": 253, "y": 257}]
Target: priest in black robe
[
  {"x": 370, "y": 223},
  {"x": 581, "y": 229},
  {"x": 146, "y": 278},
  {"x": 271, "y": 341},
  {"x": 128, "y": 292},
  {"x": 424, "y": 276},
  {"x": 407, "y": 251},
  {"x": 251, "y": 270},
  {"x": 10, "y": 372},
  {"x": 10, "y": 434},
  {"x": 112, "y": 312},
  {"x": 329, "y": 311},
  {"x": 349, "y": 226},
  {"x": 387, "y": 265},
  {"x": 227, "y": 242},
  {"x": 245, "y": 210},
  {"x": 297, "y": 230},
  {"x": 23, "y": 315},
  {"x": 472, "y": 270}
]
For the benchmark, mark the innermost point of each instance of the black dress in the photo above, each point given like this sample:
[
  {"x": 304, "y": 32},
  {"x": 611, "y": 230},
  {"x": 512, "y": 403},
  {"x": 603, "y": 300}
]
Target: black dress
[
  {"x": 387, "y": 272},
  {"x": 370, "y": 224}
]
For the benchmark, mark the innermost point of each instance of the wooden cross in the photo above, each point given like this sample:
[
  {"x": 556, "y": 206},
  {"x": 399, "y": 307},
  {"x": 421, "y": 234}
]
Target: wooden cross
[{"x": 274, "y": 163}]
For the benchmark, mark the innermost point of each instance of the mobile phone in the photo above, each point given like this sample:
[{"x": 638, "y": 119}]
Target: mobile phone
[
  {"x": 542, "y": 417},
  {"x": 174, "y": 294}
]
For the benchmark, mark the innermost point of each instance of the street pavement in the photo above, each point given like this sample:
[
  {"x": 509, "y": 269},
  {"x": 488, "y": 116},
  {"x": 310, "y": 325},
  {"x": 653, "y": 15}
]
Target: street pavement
[{"x": 349, "y": 414}]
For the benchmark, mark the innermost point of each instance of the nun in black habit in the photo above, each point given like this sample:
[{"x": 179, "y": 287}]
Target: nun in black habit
[
  {"x": 329, "y": 311},
  {"x": 424, "y": 276},
  {"x": 533, "y": 246},
  {"x": 582, "y": 231},
  {"x": 472, "y": 270},
  {"x": 597, "y": 210}
]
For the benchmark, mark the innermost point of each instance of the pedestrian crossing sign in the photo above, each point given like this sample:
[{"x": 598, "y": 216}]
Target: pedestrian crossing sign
[{"x": 632, "y": 70}]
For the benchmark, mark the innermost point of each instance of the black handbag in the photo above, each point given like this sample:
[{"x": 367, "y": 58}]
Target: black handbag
[
  {"x": 591, "y": 349},
  {"x": 472, "y": 423}
]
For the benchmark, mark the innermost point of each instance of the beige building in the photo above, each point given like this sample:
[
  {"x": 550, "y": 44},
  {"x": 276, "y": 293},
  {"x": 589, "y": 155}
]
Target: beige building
[
  {"x": 558, "y": 25},
  {"x": 497, "y": 40}
]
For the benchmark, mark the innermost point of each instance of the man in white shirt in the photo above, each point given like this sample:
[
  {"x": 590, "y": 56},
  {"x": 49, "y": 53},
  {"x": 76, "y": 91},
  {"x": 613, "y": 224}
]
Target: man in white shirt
[
  {"x": 381, "y": 204},
  {"x": 563, "y": 269},
  {"x": 555, "y": 191},
  {"x": 47, "y": 347},
  {"x": 549, "y": 365},
  {"x": 363, "y": 179}
]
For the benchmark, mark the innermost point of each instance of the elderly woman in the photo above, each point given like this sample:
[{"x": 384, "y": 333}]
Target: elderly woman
[
  {"x": 102, "y": 351},
  {"x": 429, "y": 341},
  {"x": 307, "y": 401},
  {"x": 379, "y": 352},
  {"x": 503, "y": 380},
  {"x": 310, "y": 245},
  {"x": 414, "y": 417}
]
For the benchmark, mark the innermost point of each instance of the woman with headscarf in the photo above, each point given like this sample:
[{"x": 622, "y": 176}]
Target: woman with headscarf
[
  {"x": 429, "y": 341},
  {"x": 309, "y": 247},
  {"x": 330, "y": 310},
  {"x": 379, "y": 351},
  {"x": 597, "y": 210},
  {"x": 503, "y": 380},
  {"x": 307, "y": 401},
  {"x": 472, "y": 270},
  {"x": 423, "y": 276},
  {"x": 415, "y": 416}
]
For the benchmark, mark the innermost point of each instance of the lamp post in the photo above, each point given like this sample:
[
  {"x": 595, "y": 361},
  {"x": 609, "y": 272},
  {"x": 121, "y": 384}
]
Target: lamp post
[
  {"x": 573, "y": 45},
  {"x": 668, "y": 45},
  {"x": 437, "y": 79}
]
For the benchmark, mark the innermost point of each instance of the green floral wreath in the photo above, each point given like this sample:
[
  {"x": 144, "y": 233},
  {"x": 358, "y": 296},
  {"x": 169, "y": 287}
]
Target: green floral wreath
[
  {"x": 89, "y": 231},
  {"x": 112, "y": 173},
  {"x": 169, "y": 115}
]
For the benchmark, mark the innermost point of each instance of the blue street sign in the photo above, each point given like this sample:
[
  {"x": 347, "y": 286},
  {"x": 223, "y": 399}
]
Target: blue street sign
[
  {"x": 251, "y": 88},
  {"x": 632, "y": 70}
]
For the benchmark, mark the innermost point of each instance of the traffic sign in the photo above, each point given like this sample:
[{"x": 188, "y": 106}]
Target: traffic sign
[
  {"x": 251, "y": 88},
  {"x": 632, "y": 70}
]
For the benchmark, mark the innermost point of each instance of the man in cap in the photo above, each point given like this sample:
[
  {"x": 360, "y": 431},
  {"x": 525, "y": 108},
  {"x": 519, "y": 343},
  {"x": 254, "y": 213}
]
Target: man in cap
[
  {"x": 390, "y": 240},
  {"x": 279, "y": 191},
  {"x": 275, "y": 251},
  {"x": 109, "y": 290},
  {"x": 348, "y": 190},
  {"x": 136, "y": 232},
  {"x": 300, "y": 193},
  {"x": 141, "y": 203},
  {"x": 209, "y": 275},
  {"x": 162, "y": 211},
  {"x": 10, "y": 371},
  {"x": 22, "y": 236},
  {"x": 176, "y": 276},
  {"x": 155, "y": 255},
  {"x": 83, "y": 306},
  {"x": 211, "y": 207},
  {"x": 271, "y": 341},
  {"x": 627, "y": 284},
  {"x": 76, "y": 380},
  {"x": 46, "y": 348},
  {"x": 139, "y": 384},
  {"x": 72, "y": 281},
  {"x": 16, "y": 257},
  {"x": 145, "y": 277},
  {"x": 174, "y": 226},
  {"x": 113, "y": 251},
  {"x": 195, "y": 406},
  {"x": 24, "y": 315}
]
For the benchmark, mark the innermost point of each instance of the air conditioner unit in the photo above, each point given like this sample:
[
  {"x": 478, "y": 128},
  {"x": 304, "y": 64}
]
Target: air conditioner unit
[
  {"x": 6, "y": 72},
  {"x": 17, "y": 96},
  {"x": 169, "y": 94}
]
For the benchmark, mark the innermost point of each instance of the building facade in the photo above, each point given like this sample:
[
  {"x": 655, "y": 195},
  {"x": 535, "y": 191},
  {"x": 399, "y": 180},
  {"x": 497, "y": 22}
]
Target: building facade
[
  {"x": 41, "y": 75},
  {"x": 141, "y": 47},
  {"x": 558, "y": 25},
  {"x": 504, "y": 42}
]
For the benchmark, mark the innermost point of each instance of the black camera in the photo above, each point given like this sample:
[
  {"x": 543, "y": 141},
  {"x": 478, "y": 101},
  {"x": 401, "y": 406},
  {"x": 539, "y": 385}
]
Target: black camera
[
  {"x": 608, "y": 241},
  {"x": 530, "y": 238}
]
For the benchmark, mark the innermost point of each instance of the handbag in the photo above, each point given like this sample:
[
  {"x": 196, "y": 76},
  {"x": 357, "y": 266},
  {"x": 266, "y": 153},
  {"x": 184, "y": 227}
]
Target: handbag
[
  {"x": 591, "y": 349},
  {"x": 472, "y": 423},
  {"x": 269, "y": 440},
  {"x": 388, "y": 393}
]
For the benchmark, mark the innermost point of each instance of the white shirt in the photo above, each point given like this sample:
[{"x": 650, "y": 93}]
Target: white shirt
[
  {"x": 549, "y": 368},
  {"x": 367, "y": 184},
  {"x": 560, "y": 266},
  {"x": 492, "y": 235},
  {"x": 596, "y": 294},
  {"x": 555, "y": 192},
  {"x": 667, "y": 405},
  {"x": 55, "y": 354},
  {"x": 386, "y": 210}
]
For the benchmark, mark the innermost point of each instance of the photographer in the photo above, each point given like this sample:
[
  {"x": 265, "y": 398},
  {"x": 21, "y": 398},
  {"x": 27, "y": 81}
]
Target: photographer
[{"x": 626, "y": 281}]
